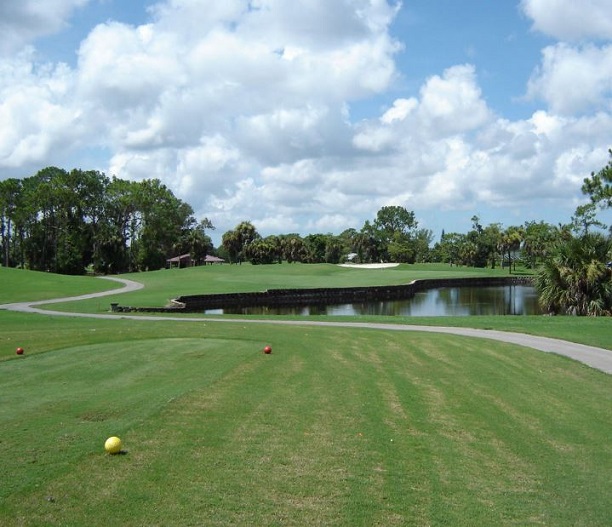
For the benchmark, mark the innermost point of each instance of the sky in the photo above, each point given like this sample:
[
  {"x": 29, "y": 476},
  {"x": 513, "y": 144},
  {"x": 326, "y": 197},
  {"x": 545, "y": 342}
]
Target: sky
[{"x": 308, "y": 116}]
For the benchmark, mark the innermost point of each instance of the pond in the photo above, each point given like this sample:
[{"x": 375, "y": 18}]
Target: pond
[{"x": 444, "y": 301}]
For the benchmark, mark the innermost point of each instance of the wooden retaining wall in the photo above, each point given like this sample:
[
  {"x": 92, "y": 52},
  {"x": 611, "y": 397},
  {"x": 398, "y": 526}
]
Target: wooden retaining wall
[{"x": 321, "y": 296}]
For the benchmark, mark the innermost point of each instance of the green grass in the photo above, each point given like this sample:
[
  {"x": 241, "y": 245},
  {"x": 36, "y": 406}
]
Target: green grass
[
  {"x": 19, "y": 285},
  {"x": 162, "y": 286},
  {"x": 339, "y": 426},
  {"x": 336, "y": 427}
]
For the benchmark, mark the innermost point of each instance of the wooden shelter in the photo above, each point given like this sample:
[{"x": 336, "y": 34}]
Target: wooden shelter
[
  {"x": 184, "y": 260},
  {"x": 212, "y": 260}
]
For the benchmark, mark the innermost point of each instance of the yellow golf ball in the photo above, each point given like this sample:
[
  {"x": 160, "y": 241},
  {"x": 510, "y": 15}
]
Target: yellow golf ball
[{"x": 113, "y": 445}]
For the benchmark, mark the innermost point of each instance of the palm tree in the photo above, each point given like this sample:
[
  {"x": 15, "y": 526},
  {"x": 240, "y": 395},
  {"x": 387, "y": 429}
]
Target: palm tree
[{"x": 576, "y": 280}]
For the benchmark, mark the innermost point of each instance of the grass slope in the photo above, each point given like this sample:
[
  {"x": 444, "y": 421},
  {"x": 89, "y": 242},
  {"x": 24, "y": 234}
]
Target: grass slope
[
  {"x": 19, "y": 285},
  {"x": 336, "y": 427},
  {"x": 162, "y": 286}
]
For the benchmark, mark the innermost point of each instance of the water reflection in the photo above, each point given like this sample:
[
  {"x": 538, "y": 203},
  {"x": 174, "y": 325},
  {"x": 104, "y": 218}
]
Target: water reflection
[{"x": 447, "y": 301}]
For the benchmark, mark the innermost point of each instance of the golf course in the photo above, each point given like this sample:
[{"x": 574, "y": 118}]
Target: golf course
[{"x": 350, "y": 422}]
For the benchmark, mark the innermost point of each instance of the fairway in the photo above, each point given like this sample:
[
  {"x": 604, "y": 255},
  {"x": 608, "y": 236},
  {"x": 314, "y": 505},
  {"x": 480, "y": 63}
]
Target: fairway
[{"x": 335, "y": 427}]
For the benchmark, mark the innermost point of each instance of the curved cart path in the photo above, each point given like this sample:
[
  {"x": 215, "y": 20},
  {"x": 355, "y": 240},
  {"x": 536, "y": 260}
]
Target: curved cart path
[{"x": 592, "y": 356}]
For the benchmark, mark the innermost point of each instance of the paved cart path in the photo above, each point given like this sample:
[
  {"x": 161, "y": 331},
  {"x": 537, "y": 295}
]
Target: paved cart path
[{"x": 594, "y": 357}]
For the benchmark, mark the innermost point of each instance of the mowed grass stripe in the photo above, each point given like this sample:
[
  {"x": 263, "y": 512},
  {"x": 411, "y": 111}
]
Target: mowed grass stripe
[
  {"x": 59, "y": 406},
  {"x": 336, "y": 427}
]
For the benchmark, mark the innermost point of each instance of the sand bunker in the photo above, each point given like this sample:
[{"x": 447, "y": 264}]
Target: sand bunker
[{"x": 370, "y": 266}]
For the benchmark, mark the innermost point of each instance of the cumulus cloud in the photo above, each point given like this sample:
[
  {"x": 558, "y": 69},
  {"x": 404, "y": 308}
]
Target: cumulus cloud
[
  {"x": 37, "y": 111},
  {"x": 573, "y": 79},
  {"x": 244, "y": 110},
  {"x": 449, "y": 104},
  {"x": 447, "y": 149},
  {"x": 569, "y": 19},
  {"x": 215, "y": 101},
  {"x": 273, "y": 90},
  {"x": 22, "y": 21}
]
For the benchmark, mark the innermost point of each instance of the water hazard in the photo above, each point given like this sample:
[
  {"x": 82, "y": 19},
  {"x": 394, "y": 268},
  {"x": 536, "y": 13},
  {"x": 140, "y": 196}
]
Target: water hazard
[{"x": 445, "y": 301}]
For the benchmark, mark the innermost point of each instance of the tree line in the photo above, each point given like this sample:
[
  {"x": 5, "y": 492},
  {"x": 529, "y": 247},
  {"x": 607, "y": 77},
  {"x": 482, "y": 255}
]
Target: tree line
[
  {"x": 70, "y": 221},
  {"x": 393, "y": 236}
]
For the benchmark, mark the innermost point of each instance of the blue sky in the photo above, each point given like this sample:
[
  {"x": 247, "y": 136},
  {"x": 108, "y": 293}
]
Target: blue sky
[
  {"x": 494, "y": 36},
  {"x": 310, "y": 116}
]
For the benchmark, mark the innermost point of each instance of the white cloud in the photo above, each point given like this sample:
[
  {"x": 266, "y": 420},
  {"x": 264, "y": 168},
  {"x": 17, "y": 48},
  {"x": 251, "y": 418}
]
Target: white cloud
[
  {"x": 332, "y": 223},
  {"x": 22, "y": 21},
  {"x": 39, "y": 119},
  {"x": 544, "y": 157},
  {"x": 121, "y": 67},
  {"x": 400, "y": 110},
  {"x": 302, "y": 173},
  {"x": 452, "y": 103},
  {"x": 211, "y": 101},
  {"x": 571, "y": 19},
  {"x": 317, "y": 25},
  {"x": 449, "y": 104},
  {"x": 241, "y": 109},
  {"x": 283, "y": 134},
  {"x": 574, "y": 79}
]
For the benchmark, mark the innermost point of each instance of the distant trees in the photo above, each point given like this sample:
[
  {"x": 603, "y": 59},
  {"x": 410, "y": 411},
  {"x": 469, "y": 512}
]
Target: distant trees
[
  {"x": 236, "y": 241},
  {"x": 449, "y": 248},
  {"x": 599, "y": 185},
  {"x": 65, "y": 221},
  {"x": 50, "y": 220},
  {"x": 509, "y": 244},
  {"x": 585, "y": 218},
  {"x": 10, "y": 207},
  {"x": 479, "y": 247},
  {"x": 162, "y": 219},
  {"x": 194, "y": 240},
  {"x": 392, "y": 236},
  {"x": 315, "y": 245},
  {"x": 538, "y": 238},
  {"x": 400, "y": 240},
  {"x": 575, "y": 279},
  {"x": 367, "y": 244},
  {"x": 530, "y": 244},
  {"x": 293, "y": 248},
  {"x": 244, "y": 243}
]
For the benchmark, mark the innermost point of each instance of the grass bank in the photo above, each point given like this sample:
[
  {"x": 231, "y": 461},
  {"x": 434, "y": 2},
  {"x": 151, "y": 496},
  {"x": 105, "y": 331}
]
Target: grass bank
[
  {"x": 19, "y": 285},
  {"x": 162, "y": 286}
]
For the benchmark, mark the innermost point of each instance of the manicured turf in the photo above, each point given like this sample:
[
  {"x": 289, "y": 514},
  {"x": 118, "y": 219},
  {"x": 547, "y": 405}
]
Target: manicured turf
[
  {"x": 335, "y": 427},
  {"x": 20, "y": 286},
  {"x": 162, "y": 286},
  {"x": 338, "y": 426}
]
